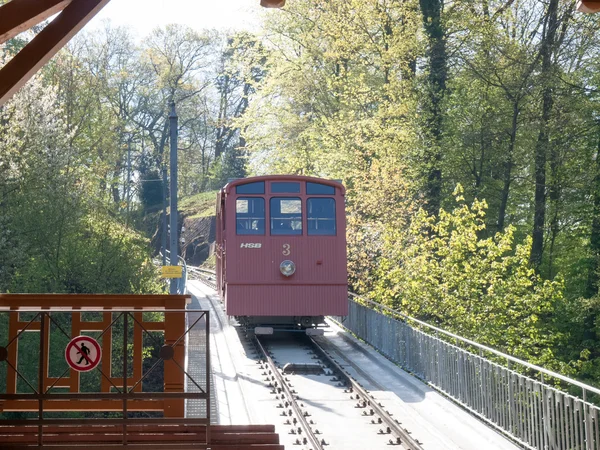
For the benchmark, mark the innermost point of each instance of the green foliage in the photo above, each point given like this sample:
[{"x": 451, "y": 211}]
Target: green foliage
[
  {"x": 99, "y": 256},
  {"x": 151, "y": 192},
  {"x": 199, "y": 205},
  {"x": 58, "y": 235},
  {"x": 483, "y": 289},
  {"x": 343, "y": 90}
]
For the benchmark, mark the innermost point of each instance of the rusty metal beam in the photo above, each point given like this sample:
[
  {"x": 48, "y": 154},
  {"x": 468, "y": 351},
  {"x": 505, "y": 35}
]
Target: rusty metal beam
[
  {"x": 17, "y": 16},
  {"x": 46, "y": 44}
]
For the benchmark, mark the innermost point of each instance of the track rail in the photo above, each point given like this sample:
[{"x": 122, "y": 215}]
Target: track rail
[
  {"x": 402, "y": 436},
  {"x": 205, "y": 276},
  {"x": 280, "y": 380}
]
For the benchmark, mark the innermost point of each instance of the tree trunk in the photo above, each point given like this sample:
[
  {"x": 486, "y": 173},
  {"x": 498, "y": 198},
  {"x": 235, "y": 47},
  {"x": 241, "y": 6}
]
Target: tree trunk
[
  {"x": 222, "y": 119},
  {"x": 592, "y": 283},
  {"x": 541, "y": 147},
  {"x": 438, "y": 74},
  {"x": 554, "y": 194},
  {"x": 508, "y": 164}
]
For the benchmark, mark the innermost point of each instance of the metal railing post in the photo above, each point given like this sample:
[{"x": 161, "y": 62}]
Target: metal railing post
[
  {"x": 125, "y": 332},
  {"x": 41, "y": 378}
]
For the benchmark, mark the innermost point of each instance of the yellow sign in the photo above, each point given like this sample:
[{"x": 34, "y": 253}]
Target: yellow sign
[{"x": 172, "y": 272}]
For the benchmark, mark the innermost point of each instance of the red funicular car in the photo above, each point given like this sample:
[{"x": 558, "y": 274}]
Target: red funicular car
[{"x": 281, "y": 251}]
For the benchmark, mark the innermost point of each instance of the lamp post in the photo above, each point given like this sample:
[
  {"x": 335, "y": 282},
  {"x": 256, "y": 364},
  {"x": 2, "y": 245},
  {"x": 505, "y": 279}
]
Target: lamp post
[
  {"x": 163, "y": 239},
  {"x": 173, "y": 254}
]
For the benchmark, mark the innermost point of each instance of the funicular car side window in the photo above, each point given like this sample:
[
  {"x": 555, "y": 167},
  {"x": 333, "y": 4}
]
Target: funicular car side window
[
  {"x": 250, "y": 215},
  {"x": 286, "y": 216},
  {"x": 321, "y": 216}
]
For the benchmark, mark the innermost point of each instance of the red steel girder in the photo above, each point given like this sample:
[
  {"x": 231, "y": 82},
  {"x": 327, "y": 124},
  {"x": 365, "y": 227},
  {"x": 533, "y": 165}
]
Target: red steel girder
[{"x": 19, "y": 15}]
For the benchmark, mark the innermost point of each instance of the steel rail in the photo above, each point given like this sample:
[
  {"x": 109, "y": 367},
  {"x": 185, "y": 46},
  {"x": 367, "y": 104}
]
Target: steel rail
[
  {"x": 314, "y": 440},
  {"x": 403, "y": 435},
  {"x": 201, "y": 275}
]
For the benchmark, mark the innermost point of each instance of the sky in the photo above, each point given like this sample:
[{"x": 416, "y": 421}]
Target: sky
[{"x": 144, "y": 15}]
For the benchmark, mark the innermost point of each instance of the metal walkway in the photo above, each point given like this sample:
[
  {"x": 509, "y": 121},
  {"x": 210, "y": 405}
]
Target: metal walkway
[{"x": 196, "y": 366}]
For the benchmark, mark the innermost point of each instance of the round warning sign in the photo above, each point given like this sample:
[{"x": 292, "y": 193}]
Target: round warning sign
[{"x": 83, "y": 353}]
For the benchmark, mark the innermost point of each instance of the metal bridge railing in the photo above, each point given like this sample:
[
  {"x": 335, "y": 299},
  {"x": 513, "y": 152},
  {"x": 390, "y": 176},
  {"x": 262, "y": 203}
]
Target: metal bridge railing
[{"x": 533, "y": 413}]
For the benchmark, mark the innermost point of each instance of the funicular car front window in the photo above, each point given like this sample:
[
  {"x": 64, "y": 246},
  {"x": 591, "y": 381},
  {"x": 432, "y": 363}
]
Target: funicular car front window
[
  {"x": 321, "y": 216},
  {"x": 286, "y": 216},
  {"x": 250, "y": 215}
]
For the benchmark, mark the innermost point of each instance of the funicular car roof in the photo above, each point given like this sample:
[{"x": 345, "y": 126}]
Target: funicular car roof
[{"x": 231, "y": 184}]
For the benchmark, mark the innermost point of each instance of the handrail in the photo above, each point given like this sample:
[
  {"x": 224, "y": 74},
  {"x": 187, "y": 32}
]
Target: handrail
[{"x": 585, "y": 387}]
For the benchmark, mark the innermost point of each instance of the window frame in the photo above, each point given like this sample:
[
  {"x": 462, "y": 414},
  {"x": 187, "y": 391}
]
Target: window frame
[
  {"x": 300, "y": 199},
  {"x": 264, "y": 217},
  {"x": 284, "y": 192},
  {"x": 254, "y": 183},
  {"x": 335, "y": 227},
  {"x": 310, "y": 184}
]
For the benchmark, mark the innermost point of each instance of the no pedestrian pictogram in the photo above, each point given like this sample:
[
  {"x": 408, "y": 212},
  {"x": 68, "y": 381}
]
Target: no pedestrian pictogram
[{"x": 83, "y": 353}]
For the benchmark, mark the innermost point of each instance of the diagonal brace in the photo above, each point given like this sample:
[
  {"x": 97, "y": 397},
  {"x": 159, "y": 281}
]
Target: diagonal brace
[
  {"x": 17, "y": 16},
  {"x": 46, "y": 44}
]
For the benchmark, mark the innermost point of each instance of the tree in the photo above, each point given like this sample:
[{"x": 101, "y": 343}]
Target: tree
[{"x": 482, "y": 289}]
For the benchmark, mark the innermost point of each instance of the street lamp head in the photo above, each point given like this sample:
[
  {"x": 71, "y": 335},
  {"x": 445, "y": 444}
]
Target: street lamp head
[
  {"x": 587, "y": 6},
  {"x": 272, "y": 3}
]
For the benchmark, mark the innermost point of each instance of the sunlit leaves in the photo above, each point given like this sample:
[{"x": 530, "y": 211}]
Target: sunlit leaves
[{"x": 481, "y": 288}]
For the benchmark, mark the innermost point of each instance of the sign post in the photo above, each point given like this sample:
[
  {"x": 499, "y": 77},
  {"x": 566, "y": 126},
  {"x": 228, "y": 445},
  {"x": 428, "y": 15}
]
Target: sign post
[
  {"x": 83, "y": 353},
  {"x": 174, "y": 252}
]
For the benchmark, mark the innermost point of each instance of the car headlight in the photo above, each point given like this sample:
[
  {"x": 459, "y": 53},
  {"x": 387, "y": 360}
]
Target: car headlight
[{"x": 287, "y": 268}]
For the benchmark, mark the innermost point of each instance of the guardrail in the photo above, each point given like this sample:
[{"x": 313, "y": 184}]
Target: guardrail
[{"x": 533, "y": 413}]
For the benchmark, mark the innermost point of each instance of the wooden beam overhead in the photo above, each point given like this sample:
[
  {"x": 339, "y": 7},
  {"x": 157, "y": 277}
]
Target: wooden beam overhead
[
  {"x": 20, "y": 15},
  {"x": 48, "y": 42}
]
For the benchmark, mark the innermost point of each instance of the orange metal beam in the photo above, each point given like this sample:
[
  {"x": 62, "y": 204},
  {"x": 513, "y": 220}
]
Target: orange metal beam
[
  {"x": 92, "y": 301},
  {"x": 46, "y": 44},
  {"x": 20, "y": 15},
  {"x": 97, "y": 405}
]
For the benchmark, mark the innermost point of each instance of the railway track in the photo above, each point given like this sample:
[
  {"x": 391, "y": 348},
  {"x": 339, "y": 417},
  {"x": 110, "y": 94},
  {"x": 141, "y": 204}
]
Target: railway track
[
  {"x": 373, "y": 424},
  {"x": 283, "y": 390},
  {"x": 205, "y": 276}
]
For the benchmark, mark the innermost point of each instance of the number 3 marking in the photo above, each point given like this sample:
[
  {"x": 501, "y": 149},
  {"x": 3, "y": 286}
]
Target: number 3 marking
[{"x": 286, "y": 249}]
